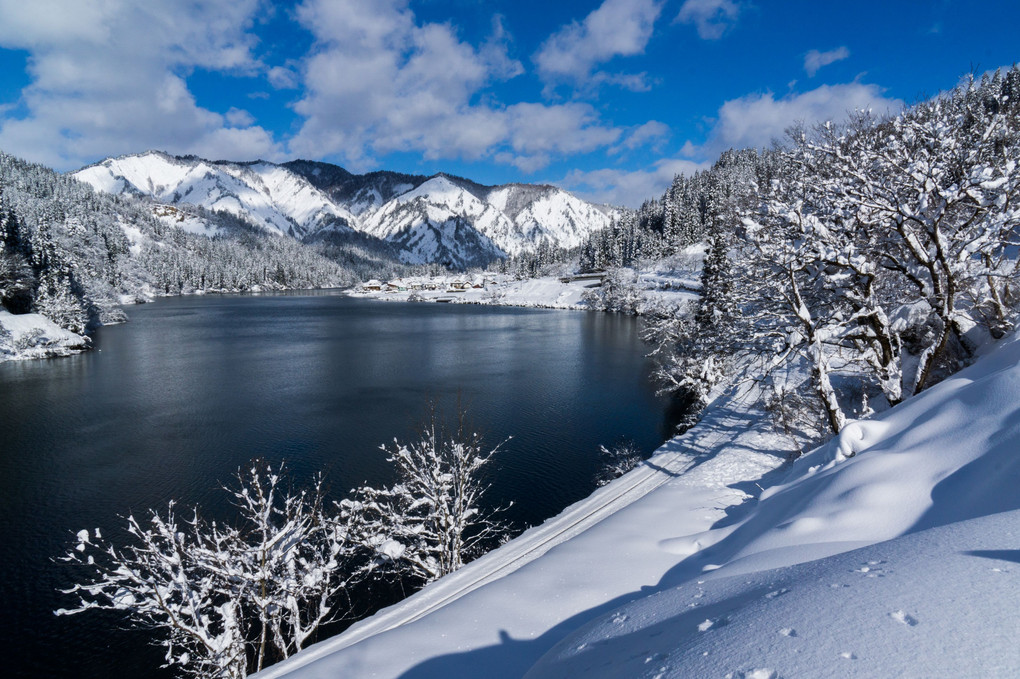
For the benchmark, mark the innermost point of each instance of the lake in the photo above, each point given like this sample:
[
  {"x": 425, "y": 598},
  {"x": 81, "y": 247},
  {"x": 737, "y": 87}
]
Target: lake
[{"x": 171, "y": 403}]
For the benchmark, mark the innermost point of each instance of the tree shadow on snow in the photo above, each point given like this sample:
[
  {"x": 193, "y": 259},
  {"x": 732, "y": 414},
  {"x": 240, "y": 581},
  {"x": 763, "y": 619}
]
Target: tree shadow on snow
[
  {"x": 511, "y": 658},
  {"x": 998, "y": 554}
]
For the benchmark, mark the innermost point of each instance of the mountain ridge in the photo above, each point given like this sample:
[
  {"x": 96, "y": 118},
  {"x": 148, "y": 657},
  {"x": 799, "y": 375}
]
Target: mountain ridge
[{"x": 442, "y": 218}]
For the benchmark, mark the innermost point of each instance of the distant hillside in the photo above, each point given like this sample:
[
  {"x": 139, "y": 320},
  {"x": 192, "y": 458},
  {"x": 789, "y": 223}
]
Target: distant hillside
[{"x": 73, "y": 254}]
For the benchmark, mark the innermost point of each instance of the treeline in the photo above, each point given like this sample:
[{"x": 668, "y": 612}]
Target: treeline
[
  {"x": 873, "y": 256},
  {"x": 73, "y": 254}
]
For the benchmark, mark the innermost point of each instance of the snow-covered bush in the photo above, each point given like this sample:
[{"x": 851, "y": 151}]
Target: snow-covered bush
[
  {"x": 6, "y": 342},
  {"x": 618, "y": 293},
  {"x": 431, "y": 521},
  {"x": 226, "y": 599},
  {"x": 617, "y": 461}
]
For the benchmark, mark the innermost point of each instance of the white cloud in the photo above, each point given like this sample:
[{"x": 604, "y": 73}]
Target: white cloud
[
  {"x": 616, "y": 28},
  {"x": 814, "y": 59},
  {"x": 379, "y": 81},
  {"x": 282, "y": 78},
  {"x": 495, "y": 52},
  {"x": 106, "y": 78},
  {"x": 712, "y": 17},
  {"x": 562, "y": 128},
  {"x": 628, "y": 188},
  {"x": 756, "y": 120},
  {"x": 651, "y": 133},
  {"x": 237, "y": 117}
]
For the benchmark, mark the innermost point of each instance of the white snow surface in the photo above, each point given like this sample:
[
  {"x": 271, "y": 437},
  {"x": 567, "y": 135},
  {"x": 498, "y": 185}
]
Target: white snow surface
[
  {"x": 898, "y": 560},
  {"x": 26, "y": 336}
]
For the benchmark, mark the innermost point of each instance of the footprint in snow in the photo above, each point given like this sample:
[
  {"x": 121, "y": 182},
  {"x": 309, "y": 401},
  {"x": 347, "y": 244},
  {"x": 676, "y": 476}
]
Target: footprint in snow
[
  {"x": 762, "y": 673},
  {"x": 871, "y": 569},
  {"x": 788, "y": 632},
  {"x": 848, "y": 655},
  {"x": 903, "y": 617},
  {"x": 619, "y": 619}
]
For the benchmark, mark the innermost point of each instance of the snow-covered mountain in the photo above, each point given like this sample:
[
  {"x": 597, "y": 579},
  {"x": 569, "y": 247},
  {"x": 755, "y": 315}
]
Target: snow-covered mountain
[
  {"x": 545, "y": 214},
  {"x": 361, "y": 193},
  {"x": 442, "y": 218},
  {"x": 265, "y": 194}
]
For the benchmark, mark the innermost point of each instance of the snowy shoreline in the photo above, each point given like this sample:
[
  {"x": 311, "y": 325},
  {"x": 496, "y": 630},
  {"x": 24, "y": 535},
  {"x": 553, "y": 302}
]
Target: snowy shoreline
[
  {"x": 716, "y": 555},
  {"x": 31, "y": 336},
  {"x": 567, "y": 292},
  {"x": 547, "y": 292}
]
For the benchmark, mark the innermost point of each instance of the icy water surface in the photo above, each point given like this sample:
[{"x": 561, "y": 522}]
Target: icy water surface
[{"x": 175, "y": 400}]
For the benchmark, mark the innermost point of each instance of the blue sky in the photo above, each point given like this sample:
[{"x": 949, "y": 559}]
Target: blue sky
[{"x": 609, "y": 99}]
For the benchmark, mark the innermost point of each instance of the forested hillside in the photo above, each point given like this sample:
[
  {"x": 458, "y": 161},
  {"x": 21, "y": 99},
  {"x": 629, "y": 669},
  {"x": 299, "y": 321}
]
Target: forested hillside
[
  {"x": 874, "y": 256},
  {"x": 72, "y": 254}
]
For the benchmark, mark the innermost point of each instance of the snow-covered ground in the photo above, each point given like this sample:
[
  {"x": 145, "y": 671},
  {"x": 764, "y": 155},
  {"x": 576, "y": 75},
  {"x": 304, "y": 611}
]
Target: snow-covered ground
[
  {"x": 35, "y": 336},
  {"x": 549, "y": 292},
  {"x": 890, "y": 551}
]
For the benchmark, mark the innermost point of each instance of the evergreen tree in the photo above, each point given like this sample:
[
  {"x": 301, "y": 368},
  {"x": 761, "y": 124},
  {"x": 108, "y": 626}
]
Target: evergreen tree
[{"x": 716, "y": 305}]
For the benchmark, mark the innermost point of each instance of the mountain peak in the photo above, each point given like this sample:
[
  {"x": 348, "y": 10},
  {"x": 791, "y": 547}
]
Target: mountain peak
[{"x": 440, "y": 218}]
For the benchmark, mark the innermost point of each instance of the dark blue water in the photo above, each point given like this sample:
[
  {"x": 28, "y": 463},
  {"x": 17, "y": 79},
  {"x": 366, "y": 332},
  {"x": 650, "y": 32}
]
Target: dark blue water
[{"x": 174, "y": 401}]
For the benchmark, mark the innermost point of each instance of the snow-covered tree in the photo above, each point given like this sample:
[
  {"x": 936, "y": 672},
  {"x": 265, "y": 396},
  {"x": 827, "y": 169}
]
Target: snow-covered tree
[
  {"x": 290, "y": 560},
  {"x": 226, "y": 599},
  {"x": 431, "y": 521},
  {"x": 160, "y": 583}
]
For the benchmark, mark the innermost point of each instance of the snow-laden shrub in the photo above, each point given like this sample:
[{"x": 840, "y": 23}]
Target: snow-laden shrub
[
  {"x": 225, "y": 599},
  {"x": 617, "y": 461},
  {"x": 431, "y": 521}
]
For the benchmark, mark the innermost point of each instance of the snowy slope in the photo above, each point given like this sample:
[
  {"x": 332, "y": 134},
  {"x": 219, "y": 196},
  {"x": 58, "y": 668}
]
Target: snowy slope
[
  {"x": 263, "y": 193},
  {"x": 682, "y": 563},
  {"x": 939, "y": 603},
  {"x": 441, "y": 219},
  {"x": 543, "y": 215}
]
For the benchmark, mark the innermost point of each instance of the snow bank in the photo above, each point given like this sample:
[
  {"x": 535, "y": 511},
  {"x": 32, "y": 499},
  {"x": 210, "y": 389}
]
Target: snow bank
[
  {"x": 26, "y": 336},
  {"x": 677, "y": 574}
]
